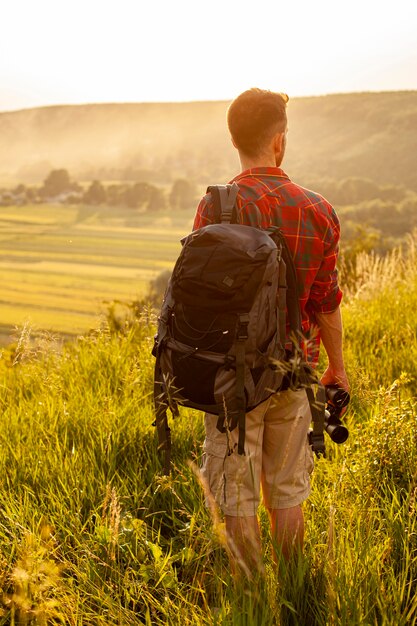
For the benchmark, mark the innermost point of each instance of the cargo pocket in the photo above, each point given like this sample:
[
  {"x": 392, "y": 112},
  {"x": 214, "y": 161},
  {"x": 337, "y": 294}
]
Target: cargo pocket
[{"x": 212, "y": 471}]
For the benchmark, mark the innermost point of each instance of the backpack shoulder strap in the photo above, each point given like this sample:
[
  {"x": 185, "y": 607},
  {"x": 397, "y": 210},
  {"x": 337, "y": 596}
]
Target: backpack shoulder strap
[
  {"x": 293, "y": 303},
  {"x": 224, "y": 197}
]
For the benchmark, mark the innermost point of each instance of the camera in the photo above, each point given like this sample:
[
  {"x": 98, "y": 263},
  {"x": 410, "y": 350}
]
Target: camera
[{"x": 337, "y": 398}]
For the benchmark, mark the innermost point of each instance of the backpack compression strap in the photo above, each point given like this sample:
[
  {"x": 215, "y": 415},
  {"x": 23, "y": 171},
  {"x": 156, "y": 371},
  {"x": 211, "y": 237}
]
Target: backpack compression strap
[
  {"x": 161, "y": 419},
  {"x": 242, "y": 335}
]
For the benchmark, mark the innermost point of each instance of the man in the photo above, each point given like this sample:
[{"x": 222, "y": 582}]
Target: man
[{"x": 277, "y": 454}]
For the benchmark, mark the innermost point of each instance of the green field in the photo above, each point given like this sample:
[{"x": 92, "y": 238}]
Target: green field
[
  {"x": 61, "y": 266},
  {"x": 91, "y": 533}
]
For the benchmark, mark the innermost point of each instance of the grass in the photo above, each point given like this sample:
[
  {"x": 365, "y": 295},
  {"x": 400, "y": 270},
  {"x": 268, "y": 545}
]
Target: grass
[{"x": 91, "y": 533}]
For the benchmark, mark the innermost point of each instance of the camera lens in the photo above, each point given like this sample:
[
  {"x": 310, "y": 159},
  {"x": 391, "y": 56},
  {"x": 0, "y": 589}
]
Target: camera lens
[
  {"x": 337, "y": 396},
  {"x": 337, "y": 432}
]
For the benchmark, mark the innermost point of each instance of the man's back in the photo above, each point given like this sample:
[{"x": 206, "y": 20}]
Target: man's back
[{"x": 267, "y": 197}]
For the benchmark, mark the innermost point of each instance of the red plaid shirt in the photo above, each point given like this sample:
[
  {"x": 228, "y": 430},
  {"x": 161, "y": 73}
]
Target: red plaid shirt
[{"x": 312, "y": 231}]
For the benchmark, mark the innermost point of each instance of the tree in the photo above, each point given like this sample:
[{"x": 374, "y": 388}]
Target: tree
[
  {"x": 116, "y": 195},
  {"x": 95, "y": 194},
  {"x": 353, "y": 190},
  {"x": 137, "y": 195},
  {"x": 157, "y": 200},
  {"x": 57, "y": 182},
  {"x": 183, "y": 194},
  {"x": 392, "y": 192},
  {"x": 20, "y": 189}
]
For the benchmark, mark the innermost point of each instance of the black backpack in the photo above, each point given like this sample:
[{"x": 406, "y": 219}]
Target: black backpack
[{"x": 222, "y": 331}]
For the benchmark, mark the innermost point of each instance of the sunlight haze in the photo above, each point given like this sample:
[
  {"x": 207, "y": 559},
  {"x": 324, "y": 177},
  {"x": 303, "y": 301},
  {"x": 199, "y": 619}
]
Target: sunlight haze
[{"x": 133, "y": 51}]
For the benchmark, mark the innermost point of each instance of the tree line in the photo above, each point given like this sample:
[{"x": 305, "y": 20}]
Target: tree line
[
  {"x": 355, "y": 189},
  {"x": 382, "y": 213},
  {"x": 59, "y": 187},
  {"x": 182, "y": 193}
]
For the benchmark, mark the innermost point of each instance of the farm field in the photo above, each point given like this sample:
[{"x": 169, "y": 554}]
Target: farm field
[{"x": 62, "y": 266}]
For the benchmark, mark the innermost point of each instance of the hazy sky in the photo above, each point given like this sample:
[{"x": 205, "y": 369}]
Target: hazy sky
[{"x": 61, "y": 51}]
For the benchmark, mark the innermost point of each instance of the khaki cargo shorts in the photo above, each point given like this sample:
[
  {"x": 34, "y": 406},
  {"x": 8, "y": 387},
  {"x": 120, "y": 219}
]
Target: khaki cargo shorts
[{"x": 277, "y": 456}]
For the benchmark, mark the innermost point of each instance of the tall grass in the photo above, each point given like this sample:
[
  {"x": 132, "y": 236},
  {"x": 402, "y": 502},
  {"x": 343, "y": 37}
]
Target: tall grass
[{"x": 92, "y": 534}]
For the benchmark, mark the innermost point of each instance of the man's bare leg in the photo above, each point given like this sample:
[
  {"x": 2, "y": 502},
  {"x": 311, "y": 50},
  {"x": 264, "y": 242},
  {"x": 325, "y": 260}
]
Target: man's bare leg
[
  {"x": 244, "y": 542},
  {"x": 287, "y": 528}
]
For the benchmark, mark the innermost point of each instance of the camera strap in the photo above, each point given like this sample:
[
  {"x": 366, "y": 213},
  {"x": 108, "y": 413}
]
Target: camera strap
[{"x": 316, "y": 394}]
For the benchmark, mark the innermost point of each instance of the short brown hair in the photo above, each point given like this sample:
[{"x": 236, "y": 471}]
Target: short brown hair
[{"x": 255, "y": 117}]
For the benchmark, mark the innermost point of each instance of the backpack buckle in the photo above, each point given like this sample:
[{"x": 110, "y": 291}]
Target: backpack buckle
[
  {"x": 316, "y": 441},
  {"x": 242, "y": 329}
]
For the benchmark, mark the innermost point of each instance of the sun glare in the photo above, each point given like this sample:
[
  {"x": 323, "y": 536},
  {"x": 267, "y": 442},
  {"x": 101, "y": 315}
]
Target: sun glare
[{"x": 95, "y": 52}]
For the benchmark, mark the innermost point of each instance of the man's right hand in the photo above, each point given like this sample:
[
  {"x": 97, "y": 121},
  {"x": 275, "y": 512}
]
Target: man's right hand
[{"x": 335, "y": 377}]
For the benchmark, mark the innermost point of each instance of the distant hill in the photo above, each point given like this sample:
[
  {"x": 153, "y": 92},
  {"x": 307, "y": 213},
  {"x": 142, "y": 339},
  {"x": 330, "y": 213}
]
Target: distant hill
[{"x": 370, "y": 135}]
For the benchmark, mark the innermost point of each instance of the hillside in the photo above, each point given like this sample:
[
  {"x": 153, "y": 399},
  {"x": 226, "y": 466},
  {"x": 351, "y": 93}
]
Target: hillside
[
  {"x": 371, "y": 135},
  {"x": 92, "y": 534}
]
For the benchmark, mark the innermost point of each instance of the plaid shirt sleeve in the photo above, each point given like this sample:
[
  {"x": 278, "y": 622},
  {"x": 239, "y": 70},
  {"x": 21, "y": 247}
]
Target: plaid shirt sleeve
[{"x": 325, "y": 294}]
